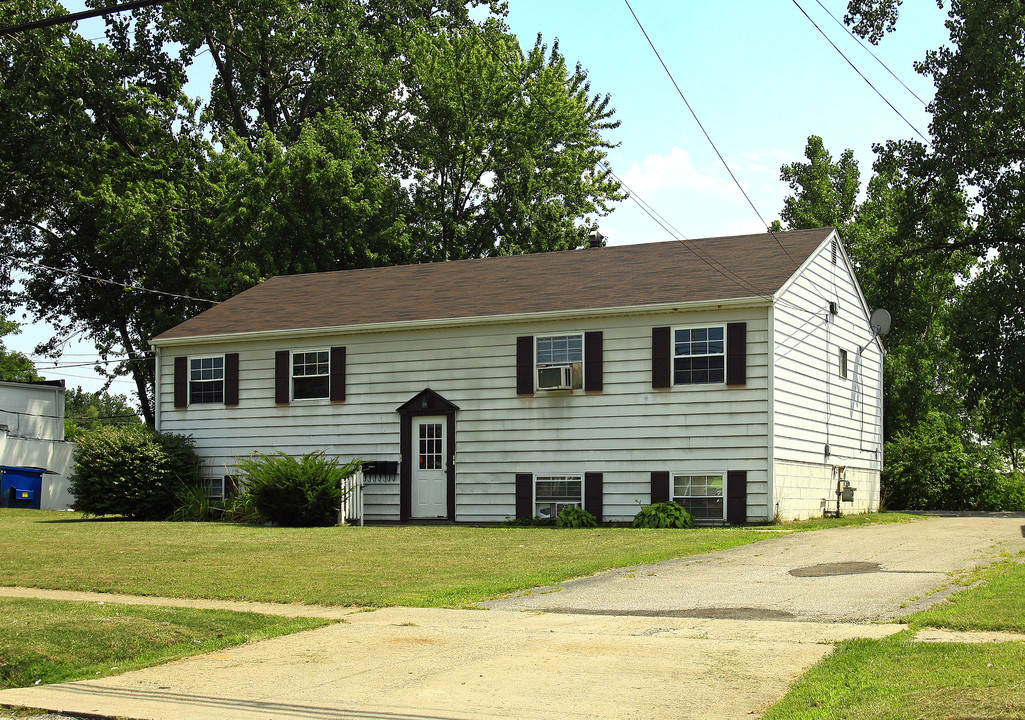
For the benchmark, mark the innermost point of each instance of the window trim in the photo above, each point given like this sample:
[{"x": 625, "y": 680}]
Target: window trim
[
  {"x": 725, "y": 354},
  {"x": 576, "y": 366},
  {"x": 189, "y": 381},
  {"x": 209, "y": 482},
  {"x": 842, "y": 359},
  {"x": 552, "y": 476},
  {"x": 292, "y": 377},
  {"x": 724, "y": 474}
]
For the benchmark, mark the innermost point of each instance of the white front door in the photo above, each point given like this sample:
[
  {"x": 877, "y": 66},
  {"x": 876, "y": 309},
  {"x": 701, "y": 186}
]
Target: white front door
[{"x": 430, "y": 477}]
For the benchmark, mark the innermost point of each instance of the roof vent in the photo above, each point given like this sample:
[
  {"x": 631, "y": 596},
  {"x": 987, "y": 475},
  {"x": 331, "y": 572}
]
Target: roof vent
[{"x": 595, "y": 239}]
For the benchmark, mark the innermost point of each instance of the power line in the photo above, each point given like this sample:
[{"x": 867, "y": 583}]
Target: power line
[
  {"x": 75, "y": 17},
  {"x": 124, "y": 286},
  {"x": 646, "y": 207},
  {"x": 870, "y": 52},
  {"x": 707, "y": 136},
  {"x": 854, "y": 67}
]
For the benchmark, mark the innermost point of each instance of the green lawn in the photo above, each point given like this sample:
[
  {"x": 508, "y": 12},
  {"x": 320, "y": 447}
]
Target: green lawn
[
  {"x": 46, "y": 641},
  {"x": 900, "y": 679},
  {"x": 371, "y": 566}
]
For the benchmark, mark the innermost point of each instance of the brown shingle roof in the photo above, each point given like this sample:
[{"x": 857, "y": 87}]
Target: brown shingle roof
[{"x": 622, "y": 276}]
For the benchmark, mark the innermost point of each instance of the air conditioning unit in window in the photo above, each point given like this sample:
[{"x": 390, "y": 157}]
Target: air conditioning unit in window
[{"x": 555, "y": 377}]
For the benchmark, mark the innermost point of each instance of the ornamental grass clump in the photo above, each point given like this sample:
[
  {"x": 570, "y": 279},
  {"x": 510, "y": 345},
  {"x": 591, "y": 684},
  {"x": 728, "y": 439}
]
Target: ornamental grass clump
[{"x": 303, "y": 491}]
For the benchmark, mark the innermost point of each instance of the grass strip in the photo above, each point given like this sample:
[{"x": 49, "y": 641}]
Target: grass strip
[
  {"x": 897, "y": 678},
  {"x": 48, "y": 641},
  {"x": 422, "y": 566}
]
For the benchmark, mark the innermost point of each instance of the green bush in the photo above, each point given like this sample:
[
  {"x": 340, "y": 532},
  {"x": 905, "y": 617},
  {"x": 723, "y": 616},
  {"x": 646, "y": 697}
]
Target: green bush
[
  {"x": 575, "y": 517},
  {"x": 939, "y": 466},
  {"x": 296, "y": 492},
  {"x": 663, "y": 515},
  {"x": 132, "y": 471},
  {"x": 194, "y": 504}
]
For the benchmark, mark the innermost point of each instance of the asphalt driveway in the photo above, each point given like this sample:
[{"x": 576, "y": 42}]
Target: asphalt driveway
[{"x": 719, "y": 637}]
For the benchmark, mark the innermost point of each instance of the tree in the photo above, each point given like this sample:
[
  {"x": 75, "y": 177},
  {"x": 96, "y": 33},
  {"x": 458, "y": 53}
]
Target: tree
[
  {"x": 968, "y": 187},
  {"x": 826, "y": 193},
  {"x": 85, "y": 411},
  {"x": 14, "y": 366},
  {"x": 505, "y": 148},
  {"x": 314, "y": 153}
]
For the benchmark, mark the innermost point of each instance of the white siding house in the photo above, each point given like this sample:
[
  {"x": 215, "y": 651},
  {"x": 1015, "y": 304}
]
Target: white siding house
[
  {"x": 482, "y": 390},
  {"x": 32, "y": 436}
]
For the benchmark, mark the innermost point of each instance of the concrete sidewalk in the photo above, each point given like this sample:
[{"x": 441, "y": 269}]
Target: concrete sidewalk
[{"x": 405, "y": 664}]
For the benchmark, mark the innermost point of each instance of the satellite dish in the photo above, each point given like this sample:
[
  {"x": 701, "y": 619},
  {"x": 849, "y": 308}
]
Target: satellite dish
[{"x": 880, "y": 321}]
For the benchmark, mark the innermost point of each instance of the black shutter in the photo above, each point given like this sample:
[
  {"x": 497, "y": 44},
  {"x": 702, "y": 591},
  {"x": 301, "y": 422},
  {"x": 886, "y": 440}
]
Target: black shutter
[
  {"x": 593, "y": 348},
  {"x": 338, "y": 373},
  {"x": 736, "y": 497},
  {"x": 659, "y": 487},
  {"x": 660, "y": 365},
  {"x": 525, "y": 365},
  {"x": 231, "y": 379},
  {"x": 593, "y": 494},
  {"x": 181, "y": 382},
  {"x": 282, "y": 377},
  {"x": 736, "y": 353},
  {"x": 524, "y": 496}
]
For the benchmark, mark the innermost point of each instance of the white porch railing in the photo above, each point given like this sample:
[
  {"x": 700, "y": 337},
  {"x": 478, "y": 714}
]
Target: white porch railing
[{"x": 351, "y": 510}]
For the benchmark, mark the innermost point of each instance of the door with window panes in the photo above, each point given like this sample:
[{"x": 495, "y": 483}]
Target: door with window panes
[{"x": 429, "y": 473}]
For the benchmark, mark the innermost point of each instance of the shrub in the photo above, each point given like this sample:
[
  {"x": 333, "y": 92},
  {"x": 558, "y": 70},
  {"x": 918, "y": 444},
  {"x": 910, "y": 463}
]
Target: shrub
[
  {"x": 663, "y": 515},
  {"x": 575, "y": 517},
  {"x": 132, "y": 471},
  {"x": 938, "y": 466},
  {"x": 296, "y": 492},
  {"x": 194, "y": 504}
]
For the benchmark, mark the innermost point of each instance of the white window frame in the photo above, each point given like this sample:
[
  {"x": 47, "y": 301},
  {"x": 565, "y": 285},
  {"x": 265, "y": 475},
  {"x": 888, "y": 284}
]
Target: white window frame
[
  {"x": 555, "y": 477},
  {"x": 210, "y": 483},
  {"x": 293, "y": 377},
  {"x": 842, "y": 360},
  {"x": 200, "y": 359},
  {"x": 576, "y": 366},
  {"x": 705, "y": 474},
  {"x": 673, "y": 356}
]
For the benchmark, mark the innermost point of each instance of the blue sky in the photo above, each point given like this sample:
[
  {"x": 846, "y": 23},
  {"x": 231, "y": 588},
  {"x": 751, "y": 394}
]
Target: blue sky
[{"x": 758, "y": 74}]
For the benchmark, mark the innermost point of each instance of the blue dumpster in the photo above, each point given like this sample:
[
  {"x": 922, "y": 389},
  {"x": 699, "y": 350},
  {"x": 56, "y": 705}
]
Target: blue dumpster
[{"x": 21, "y": 487}]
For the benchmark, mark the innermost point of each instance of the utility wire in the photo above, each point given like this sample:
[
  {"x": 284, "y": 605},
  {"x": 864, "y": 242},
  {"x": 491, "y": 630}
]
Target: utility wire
[
  {"x": 125, "y": 286},
  {"x": 646, "y": 207},
  {"x": 707, "y": 136},
  {"x": 870, "y": 52},
  {"x": 854, "y": 67}
]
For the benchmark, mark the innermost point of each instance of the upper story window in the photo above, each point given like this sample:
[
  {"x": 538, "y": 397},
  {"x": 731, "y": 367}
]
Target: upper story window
[
  {"x": 206, "y": 380},
  {"x": 559, "y": 361},
  {"x": 699, "y": 355},
  {"x": 842, "y": 369},
  {"x": 311, "y": 374}
]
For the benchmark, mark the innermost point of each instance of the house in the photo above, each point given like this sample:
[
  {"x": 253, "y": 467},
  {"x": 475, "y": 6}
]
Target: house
[
  {"x": 34, "y": 458},
  {"x": 736, "y": 375}
]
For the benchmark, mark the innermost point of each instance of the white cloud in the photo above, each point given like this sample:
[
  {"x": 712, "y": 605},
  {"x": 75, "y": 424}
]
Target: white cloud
[{"x": 675, "y": 171}]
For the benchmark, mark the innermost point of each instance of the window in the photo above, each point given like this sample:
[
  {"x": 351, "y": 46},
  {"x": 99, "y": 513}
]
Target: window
[
  {"x": 214, "y": 487},
  {"x": 206, "y": 380},
  {"x": 431, "y": 446},
  {"x": 843, "y": 364},
  {"x": 701, "y": 495},
  {"x": 311, "y": 377},
  {"x": 552, "y": 493},
  {"x": 559, "y": 362},
  {"x": 699, "y": 355}
]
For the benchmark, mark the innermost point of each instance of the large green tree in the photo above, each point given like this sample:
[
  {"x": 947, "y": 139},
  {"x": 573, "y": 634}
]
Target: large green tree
[
  {"x": 338, "y": 134},
  {"x": 968, "y": 189},
  {"x": 14, "y": 365}
]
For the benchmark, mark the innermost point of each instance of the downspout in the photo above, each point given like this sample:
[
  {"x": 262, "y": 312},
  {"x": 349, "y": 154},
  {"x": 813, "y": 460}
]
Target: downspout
[{"x": 156, "y": 388}]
